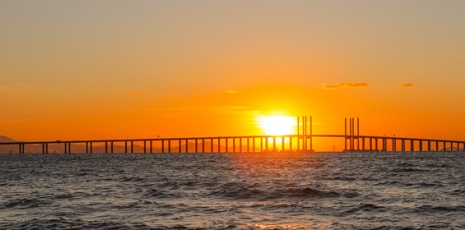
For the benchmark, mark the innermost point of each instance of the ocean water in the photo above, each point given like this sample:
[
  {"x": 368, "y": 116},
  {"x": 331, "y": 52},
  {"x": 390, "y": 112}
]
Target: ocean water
[{"x": 233, "y": 191}]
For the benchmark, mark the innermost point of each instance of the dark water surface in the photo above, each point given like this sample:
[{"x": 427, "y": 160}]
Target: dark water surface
[{"x": 233, "y": 191}]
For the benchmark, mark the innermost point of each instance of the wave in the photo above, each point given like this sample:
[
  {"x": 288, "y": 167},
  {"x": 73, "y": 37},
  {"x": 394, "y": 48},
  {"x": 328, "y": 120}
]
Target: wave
[
  {"x": 435, "y": 209},
  {"x": 257, "y": 192},
  {"x": 25, "y": 203},
  {"x": 62, "y": 223},
  {"x": 366, "y": 208}
]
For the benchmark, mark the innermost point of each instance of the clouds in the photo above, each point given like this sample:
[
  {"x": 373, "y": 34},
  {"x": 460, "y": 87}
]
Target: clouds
[
  {"x": 347, "y": 85},
  {"x": 15, "y": 89},
  {"x": 406, "y": 85},
  {"x": 231, "y": 91},
  {"x": 363, "y": 85}
]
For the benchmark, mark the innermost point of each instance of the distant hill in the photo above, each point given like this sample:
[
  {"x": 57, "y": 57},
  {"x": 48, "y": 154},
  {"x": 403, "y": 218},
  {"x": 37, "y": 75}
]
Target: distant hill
[
  {"x": 7, "y": 148},
  {"x": 5, "y": 139}
]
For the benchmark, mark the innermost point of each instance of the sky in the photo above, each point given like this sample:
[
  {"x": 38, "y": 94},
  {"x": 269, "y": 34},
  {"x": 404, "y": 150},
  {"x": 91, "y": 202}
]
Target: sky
[{"x": 138, "y": 69}]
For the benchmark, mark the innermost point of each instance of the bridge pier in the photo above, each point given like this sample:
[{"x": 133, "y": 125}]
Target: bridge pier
[
  {"x": 211, "y": 145},
  {"x": 196, "y": 147},
  {"x": 187, "y": 145},
  {"x": 234, "y": 145},
  {"x": 274, "y": 144},
  {"x": 248, "y": 145},
  {"x": 253, "y": 145},
  {"x": 290, "y": 144}
]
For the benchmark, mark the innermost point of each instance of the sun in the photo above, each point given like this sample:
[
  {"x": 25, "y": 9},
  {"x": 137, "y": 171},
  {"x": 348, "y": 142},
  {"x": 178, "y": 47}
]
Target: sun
[{"x": 277, "y": 125}]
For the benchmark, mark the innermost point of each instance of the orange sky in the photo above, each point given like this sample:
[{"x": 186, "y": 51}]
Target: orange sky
[{"x": 117, "y": 69}]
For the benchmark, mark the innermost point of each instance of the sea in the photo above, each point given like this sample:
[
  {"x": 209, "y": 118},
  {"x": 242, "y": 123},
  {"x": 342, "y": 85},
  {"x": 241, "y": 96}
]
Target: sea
[{"x": 350, "y": 190}]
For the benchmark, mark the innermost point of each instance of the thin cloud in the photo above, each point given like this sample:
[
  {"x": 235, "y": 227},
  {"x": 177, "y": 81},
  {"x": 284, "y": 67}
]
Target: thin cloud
[
  {"x": 8, "y": 90},
  {"x": 171, "y": 95},
  {"x": 347, "y": 85},
  {"x": 233, "y": 107},
  {"x": 231, "y": 91},
  {"x": 407, "y": 85},
  {"x": 141, "y": 93}
]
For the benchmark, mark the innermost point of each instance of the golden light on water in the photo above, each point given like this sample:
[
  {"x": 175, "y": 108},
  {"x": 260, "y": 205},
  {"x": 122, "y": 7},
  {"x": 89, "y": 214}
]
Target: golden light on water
[{"x": 277, "y": 125}]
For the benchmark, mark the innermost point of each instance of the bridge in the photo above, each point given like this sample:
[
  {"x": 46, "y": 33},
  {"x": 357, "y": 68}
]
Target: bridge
[{"x": 300, "y": 142}]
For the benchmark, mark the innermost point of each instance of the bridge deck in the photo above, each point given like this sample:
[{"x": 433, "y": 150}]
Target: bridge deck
[{"x": 253, "y": 143}]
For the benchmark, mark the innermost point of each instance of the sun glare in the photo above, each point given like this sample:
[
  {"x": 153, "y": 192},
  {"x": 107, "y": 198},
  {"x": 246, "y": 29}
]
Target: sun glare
[{"x": 277, "y": 125}]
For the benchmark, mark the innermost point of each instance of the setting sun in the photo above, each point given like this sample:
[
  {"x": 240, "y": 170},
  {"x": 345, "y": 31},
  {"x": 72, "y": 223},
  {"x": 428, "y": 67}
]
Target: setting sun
[{"x": 277, "y": 125}]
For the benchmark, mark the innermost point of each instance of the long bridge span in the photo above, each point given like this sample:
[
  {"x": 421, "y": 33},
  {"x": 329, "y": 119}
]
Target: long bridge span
[{"x": 300, "y": 142}]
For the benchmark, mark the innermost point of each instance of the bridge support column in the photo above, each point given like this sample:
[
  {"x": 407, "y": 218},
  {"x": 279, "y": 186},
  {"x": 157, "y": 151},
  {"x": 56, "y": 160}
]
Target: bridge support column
[
  {"x": 403, "y": 145},
  {"x": 437, "y": 146},
  {"x": 187, "y": 145},
  {"x": 394, "y": 144},
  {"x": 266, "y": 144},
  {"x": 151, "y": 146},
  {"x": 290, "y": 143},
  {"x": 421, "y": 145},
  {"x": 234, "y": 145},
  {"x": 253, "y": 144},
  {"x": 132, "y": 146},
  {"x": 282, "y": 144},
  {"x": 145, "y": 147},
  {"x": 211, "y": 145},
  {"x": 111, "y": 147},
  {"x": 196, "y": 147},
  {"x": 203, "y": 146},
  {"x": 248, "y": 145},
  {"x": 429, "y": 146},
  {"x": 412, "y": 145},
  {"x": 274, "y": 144},
  {"x": 240, "y": 144}
]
